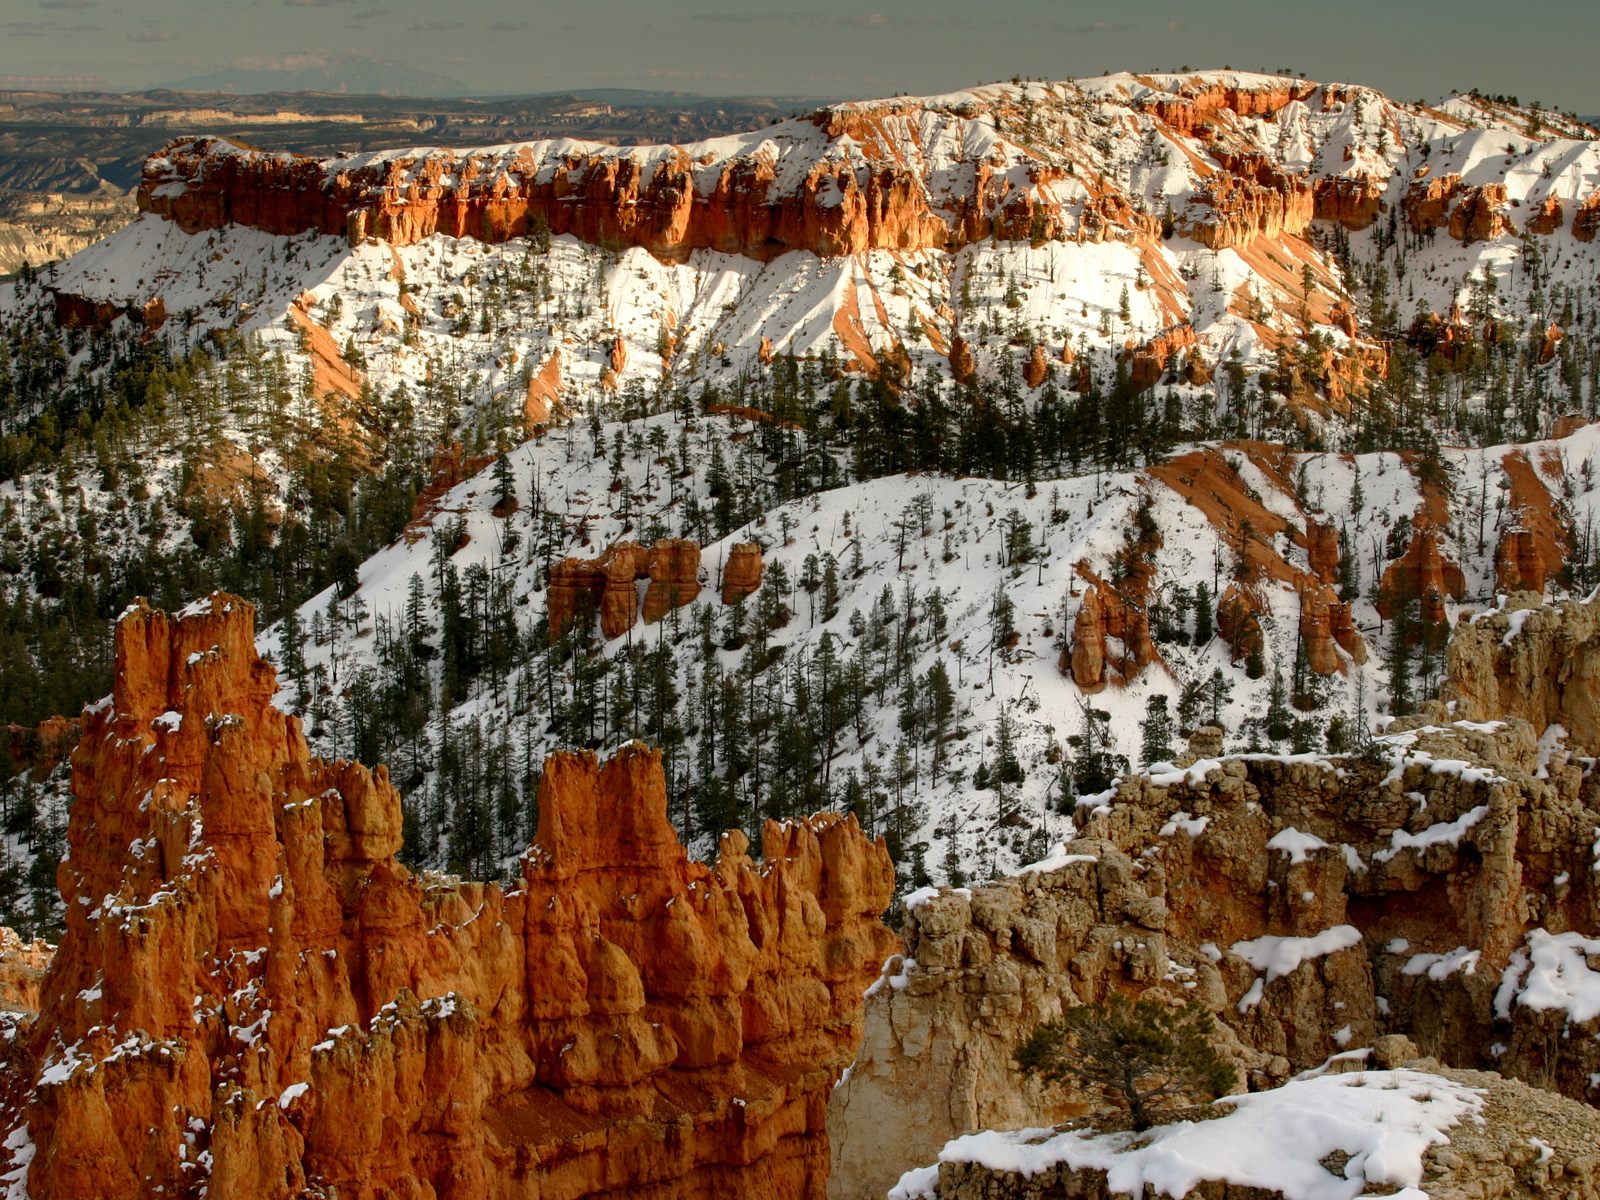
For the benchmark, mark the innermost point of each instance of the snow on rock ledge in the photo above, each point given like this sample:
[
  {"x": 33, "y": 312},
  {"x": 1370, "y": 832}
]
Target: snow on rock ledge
[
  {"x": 1382, "y": 1123},
  {"x": 1417, "y": 1133}
]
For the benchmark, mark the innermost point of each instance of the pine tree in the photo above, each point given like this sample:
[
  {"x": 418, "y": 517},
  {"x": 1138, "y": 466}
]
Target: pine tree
[
  {"x": 1402, "y": 636},
  {"x": 1139, "y": 1054},
  {"x": 1094, "y": 764},
  {"x": 1218, "y": 691},
  {"x": 1155, "y": 732},
  {"x": 505, "y": 487},
  {"x": 830, "y": 588},
  {"x": 1202, "y": 613},
  {"x": 1278, "y": 719}
]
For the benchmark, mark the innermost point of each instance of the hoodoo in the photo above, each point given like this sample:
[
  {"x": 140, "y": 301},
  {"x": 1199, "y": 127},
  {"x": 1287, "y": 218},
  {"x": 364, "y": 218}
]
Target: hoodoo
[{"x": 253, "y": 997}]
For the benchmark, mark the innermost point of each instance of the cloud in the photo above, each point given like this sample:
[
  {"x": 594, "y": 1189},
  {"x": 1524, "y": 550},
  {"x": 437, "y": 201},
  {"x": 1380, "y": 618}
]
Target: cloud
[
  {"x": 509, "y": 27},
  {"x": 671, "y": 73},
  {"x": 66, "y": 3},
  {"x": 437, "y": 26},
  {"x": 153, "y": 35},
  {"x": 42, "y": 29},
  {"x": 870, "y": 20},
  {"x": 1089, "y": 29},
  {"x": 372, "y": 14},
  {"x": 879, "y": 20},
  {"x": 314, "y": 3},
  {"x": 284, "y": 62}
]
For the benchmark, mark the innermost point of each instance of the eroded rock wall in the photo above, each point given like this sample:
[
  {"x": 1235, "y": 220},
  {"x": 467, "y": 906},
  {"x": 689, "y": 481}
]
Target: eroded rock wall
[
  {"x": 253, "y": 997},
  {"x": 1534, "y": 661},
  {"x": 1313, "y": 904}
]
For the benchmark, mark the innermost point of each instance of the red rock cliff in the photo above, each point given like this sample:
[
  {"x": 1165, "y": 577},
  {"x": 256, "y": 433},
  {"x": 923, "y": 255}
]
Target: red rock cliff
[
  {"x": 254, "y": 998},
  {"x": 669, "y": 205}
]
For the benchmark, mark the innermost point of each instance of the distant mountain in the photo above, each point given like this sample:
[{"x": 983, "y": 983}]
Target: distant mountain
[
  {"x": 639, "y": 98},
  {"x": 322, "y": 73}
]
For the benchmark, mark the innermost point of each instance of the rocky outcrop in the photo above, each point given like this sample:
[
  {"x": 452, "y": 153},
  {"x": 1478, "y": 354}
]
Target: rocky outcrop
[
  {"x": 1470, "y": 212},
  {"x": 668, "y": 203},
  {"x": 1326, "y": 626},
  {"x": 1239, "y": 613},
  {"x": 254, "y": 998},
  {"x": 674, "y": 577},
  {"x": 741, "y": 574},
  {"x": 1427, "y": 201},
  {"x": 1193, "y": 105},
  {"x": 1539, "y": 663},
  {"x": 1480, "y": 216},
  {"x": 581, "y": 588},
  {"x": 74, "y": 311},
  {"x": 1518, "y": 564},
  {"x": 1322, "y": 549},
  {"x": 1085, "y": 656},
  {"x": 448, "y": 467},
  {"x": 1251, "y": 197},
  {"x": 1111, "y": 640},
  {"x": 542, "y": 399},
  {"x": 1342, "y": 625},
  {"x": 1312, "y": 905},
  {"x": 1148, "y": 362},
  {"x": 1353, "y": 201},
  {"x": 963, "y": 366},
  {"x": 1548, "y": 217},
  {"x": 899, "y": 175},
  {"x": 1423, "y": 574},
  {"x": 22, "y": 968},
  {"x": 1586, "y": 220},
  {"x": 40, "y": 748},
  {"x": 1538, "y": 541},
  {"x": 1550, "y": 343},
  {"x": 1037, "y": 367}
]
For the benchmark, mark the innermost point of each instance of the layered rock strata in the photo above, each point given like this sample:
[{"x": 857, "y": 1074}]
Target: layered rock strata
[{"x": 253, "y": 997}]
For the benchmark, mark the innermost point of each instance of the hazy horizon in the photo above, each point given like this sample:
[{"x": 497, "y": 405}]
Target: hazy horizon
[{"x": 711, "y": 47}]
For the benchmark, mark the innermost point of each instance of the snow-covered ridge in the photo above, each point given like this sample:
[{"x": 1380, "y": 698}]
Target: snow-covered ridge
[{"x": 1049, "y": 146}]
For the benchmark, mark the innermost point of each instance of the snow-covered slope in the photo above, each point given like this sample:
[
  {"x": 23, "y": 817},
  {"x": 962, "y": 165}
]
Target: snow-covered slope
[
  {"x": 1041, "y": 285},
  {"x": 922, "y": 561}
]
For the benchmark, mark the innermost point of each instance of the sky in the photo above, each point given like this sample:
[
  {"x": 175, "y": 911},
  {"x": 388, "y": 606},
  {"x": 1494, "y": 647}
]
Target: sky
[{"x": 1413, "y": 49}]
